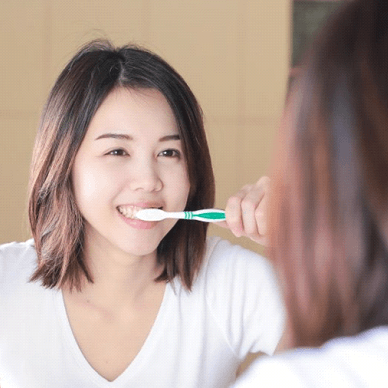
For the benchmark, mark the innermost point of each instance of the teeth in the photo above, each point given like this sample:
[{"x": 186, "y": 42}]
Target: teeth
[{"x": 128, "y": 211}]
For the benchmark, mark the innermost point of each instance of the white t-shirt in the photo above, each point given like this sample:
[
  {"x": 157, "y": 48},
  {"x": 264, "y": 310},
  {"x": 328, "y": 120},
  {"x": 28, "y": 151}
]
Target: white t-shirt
[
  {"x": 198, "y": 339},
  {"x": 347, "y": 362}
]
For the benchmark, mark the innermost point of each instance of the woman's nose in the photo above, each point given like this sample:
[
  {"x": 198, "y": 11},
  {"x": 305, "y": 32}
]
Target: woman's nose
[{"x": 145, "y": 176}]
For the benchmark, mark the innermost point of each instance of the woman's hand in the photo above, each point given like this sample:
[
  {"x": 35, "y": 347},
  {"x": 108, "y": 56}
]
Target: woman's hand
[{"x": 246, "y": 211}]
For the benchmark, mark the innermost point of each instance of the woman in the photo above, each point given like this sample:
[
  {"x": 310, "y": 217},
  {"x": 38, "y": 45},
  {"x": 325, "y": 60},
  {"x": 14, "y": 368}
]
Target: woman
[
  {"x": 116, "y": 301},
  {"x": 328, "y": 214}
]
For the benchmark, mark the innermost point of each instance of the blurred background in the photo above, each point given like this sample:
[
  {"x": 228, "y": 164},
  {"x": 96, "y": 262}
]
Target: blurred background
[{"x": 235, "y": 55}]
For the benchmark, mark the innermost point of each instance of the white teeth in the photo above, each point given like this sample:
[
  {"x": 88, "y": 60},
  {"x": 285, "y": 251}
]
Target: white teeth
[{"x": 128, "y": 211}]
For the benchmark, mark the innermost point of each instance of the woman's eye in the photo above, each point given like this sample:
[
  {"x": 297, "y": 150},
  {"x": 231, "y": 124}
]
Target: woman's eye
[
  {"x": 118, "y": 152},
  {"x": 171, "y": 153}
]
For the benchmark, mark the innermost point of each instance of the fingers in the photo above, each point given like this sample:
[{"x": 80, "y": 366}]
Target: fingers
[
  {"x": 261, "y": 214},
  {"x": 250, "y": 206},
  {"x": 233, "y": 212},
  {"x": 246, "y": 211}
]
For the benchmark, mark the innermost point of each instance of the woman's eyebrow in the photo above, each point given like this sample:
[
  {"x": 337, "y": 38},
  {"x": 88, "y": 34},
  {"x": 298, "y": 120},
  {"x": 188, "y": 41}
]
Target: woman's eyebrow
[
  {"x": 170, "y": 137},
  {"x": 123, "y": 136},
  {"x": 114, "y": 136}
]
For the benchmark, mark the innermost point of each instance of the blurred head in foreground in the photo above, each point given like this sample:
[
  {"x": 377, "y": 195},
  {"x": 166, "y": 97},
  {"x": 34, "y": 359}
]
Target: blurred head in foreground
[{"x": 329, "y": 211}]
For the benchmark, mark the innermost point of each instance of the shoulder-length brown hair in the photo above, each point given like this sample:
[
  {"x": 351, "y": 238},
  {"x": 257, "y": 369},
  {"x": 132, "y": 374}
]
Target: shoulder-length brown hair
[
  {"x": 329, "y": 208},
  {"x": 56, "y": 223}
]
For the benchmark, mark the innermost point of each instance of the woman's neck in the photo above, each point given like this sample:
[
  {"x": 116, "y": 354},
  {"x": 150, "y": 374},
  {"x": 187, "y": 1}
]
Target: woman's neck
[{"x": 119, "y": 278}]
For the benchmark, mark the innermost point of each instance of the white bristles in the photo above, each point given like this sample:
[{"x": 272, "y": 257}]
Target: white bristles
[{"x": 150, "y": 215}]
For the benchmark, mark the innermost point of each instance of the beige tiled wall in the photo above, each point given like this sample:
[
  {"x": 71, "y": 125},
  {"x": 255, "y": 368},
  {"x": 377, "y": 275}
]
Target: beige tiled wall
[{"x": 233, "y": 53}]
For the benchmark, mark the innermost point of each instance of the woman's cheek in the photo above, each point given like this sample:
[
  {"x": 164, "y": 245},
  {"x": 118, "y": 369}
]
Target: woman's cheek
[{"x": 91, "y": 183}]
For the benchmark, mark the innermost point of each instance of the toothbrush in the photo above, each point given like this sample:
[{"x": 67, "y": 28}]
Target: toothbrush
[{"x": 205, "y": 215}]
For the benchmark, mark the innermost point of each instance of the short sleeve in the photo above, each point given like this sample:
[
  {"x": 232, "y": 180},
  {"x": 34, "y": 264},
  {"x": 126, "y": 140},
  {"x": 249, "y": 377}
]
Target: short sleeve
[
  {"x": 17, "y": 261},
  {"x": 243, "y": 293}
]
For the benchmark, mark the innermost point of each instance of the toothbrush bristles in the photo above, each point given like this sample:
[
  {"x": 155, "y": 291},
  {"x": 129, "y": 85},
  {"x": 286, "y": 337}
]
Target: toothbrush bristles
[{"x": 150, "y": 215}]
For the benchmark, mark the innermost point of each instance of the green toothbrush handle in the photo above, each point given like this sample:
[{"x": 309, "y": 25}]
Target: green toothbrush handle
[{"x": 206, "y": 215}]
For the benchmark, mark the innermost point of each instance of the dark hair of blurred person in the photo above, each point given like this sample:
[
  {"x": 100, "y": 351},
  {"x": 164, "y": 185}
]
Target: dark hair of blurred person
[{"x": 328, "y": 213}]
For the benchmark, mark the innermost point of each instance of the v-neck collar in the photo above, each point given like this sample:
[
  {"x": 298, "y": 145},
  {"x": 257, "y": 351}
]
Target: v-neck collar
[{"x": 140, "y": 358}]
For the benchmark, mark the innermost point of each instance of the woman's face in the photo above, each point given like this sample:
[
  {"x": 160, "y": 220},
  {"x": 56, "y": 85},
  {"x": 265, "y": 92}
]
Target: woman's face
[{"x": 131, "y": 157}]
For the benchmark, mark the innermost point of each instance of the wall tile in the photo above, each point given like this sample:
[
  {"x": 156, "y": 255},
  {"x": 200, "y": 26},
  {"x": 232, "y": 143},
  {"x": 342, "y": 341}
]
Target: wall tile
[
  {"x": 267, "y": 51},
  {"x": 256, "y": 146},
  {"x": 241, "y": 150},
  {"x": 21, "y": 67},
  {"x": 77, "y": 22},
  {"x": 224, "y": 153},
  {"x": 199, "y": 39},
  {"x": 16, "y": 139}
]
